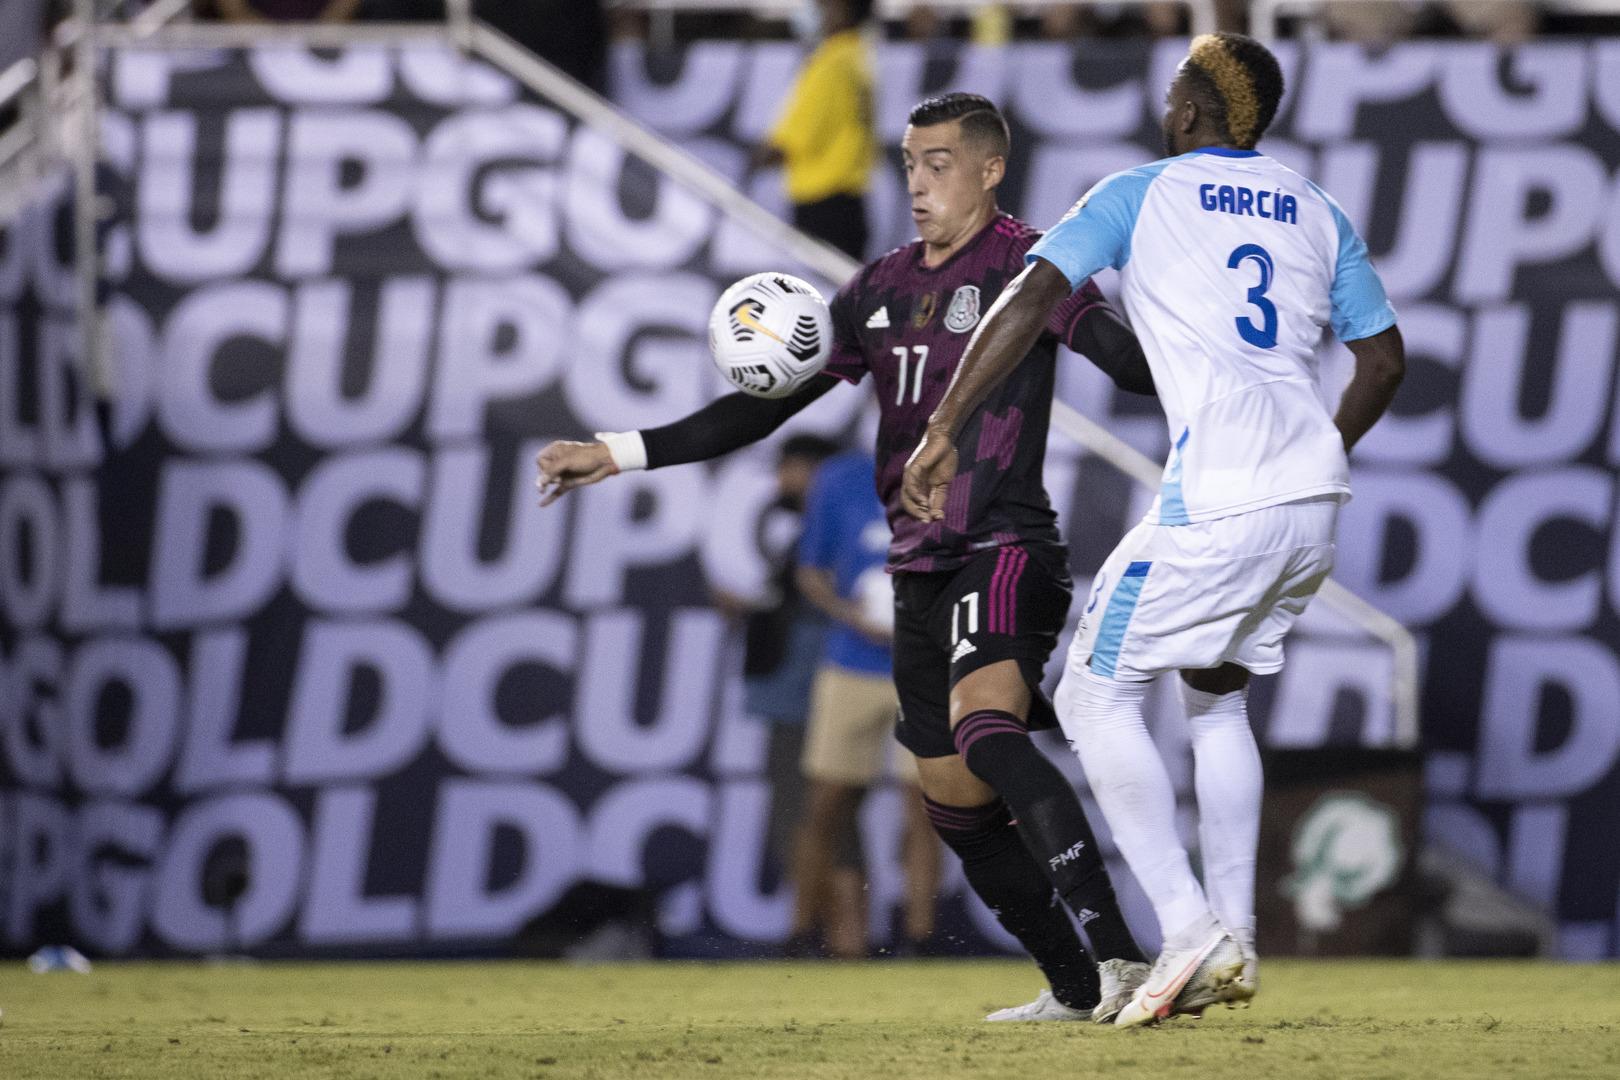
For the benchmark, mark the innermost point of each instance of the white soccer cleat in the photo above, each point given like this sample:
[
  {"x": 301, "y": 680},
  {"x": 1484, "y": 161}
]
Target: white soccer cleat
[
  {"x": 1120, "y": 980},
  {"x": 1044, "y": 1007},
  {"x": 1186, "y": 981},
  {"x": 1248, "y": 983}
]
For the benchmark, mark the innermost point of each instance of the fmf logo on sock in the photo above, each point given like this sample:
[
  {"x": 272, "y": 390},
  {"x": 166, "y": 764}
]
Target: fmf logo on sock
[{"x": 1067, "y": 856}]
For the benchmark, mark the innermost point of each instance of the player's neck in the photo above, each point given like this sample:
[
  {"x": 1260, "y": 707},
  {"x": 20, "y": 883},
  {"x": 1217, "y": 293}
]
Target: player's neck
[
  {"x": 935, "y": 254},
  {"x": 1208, "y": 142}
]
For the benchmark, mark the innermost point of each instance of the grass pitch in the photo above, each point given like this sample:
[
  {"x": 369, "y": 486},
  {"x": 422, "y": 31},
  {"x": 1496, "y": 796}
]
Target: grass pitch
[{"x": 891, "y": 1021}]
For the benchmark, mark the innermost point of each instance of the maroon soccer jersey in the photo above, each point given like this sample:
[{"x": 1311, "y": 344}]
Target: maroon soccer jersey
[{"x": 908, "y": 324}]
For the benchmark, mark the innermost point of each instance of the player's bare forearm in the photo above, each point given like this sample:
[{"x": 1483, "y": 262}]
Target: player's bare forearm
[
  {"x": 1003, "y": 339},
  {"x": 1006, "y": 335},
  {"x": 1380, "y": 367}
]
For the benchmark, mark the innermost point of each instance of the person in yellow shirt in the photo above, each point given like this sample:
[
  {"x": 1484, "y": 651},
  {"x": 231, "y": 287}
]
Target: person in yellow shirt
[{"x": 824, "y": 139}]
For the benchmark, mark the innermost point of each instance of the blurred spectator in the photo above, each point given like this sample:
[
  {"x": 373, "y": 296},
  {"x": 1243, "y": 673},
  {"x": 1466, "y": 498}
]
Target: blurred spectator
[
  {"x": 1372, "y": 22},
  {"x": 782, "y": 638},
  {"x": 1506, "y": 23},
  {"x": 824, "y": 138},
  {"x": 287, "y": 10},
  {"x": 991, "y": 24},
  {"x": 853, "y": 708}
]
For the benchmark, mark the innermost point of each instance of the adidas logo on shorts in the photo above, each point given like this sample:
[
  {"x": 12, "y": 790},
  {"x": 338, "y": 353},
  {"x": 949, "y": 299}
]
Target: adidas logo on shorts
[{"x": 963, "y": 648}]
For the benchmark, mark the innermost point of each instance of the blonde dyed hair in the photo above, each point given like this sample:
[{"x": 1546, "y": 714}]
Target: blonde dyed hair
[{"x": 1235, "y": 85}]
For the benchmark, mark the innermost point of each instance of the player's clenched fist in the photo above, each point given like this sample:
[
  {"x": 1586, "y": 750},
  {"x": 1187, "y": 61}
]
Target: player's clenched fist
[
  {"x": 566, "y": 465},
  {"x": 928, "y": 477}
]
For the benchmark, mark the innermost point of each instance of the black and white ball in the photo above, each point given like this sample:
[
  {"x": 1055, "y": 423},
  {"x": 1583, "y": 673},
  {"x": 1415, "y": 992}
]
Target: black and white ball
[{"x": 770, "y": 334}]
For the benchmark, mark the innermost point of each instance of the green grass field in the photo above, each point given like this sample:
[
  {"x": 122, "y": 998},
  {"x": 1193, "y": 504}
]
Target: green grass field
[{"x": 892, "y": 1021}]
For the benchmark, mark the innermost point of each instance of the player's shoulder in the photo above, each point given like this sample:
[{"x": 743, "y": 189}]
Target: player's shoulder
[
  {"x": 885, "y": 270},
  {"x": 1015, "y": 235},
  {"x": 1120, "y": 194},
  {"x": 1138, "y": 177}
]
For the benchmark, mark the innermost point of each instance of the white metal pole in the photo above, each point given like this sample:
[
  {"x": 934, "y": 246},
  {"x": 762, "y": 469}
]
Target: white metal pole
[{"x": 85, "y": 148}]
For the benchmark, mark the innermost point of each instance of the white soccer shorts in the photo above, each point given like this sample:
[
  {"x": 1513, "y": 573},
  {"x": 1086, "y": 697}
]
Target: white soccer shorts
[{"x": 1173, "y": 597}]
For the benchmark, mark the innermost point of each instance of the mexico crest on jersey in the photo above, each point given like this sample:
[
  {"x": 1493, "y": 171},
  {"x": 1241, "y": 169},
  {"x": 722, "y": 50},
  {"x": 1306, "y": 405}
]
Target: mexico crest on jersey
[{"x": 963, "y": 314}]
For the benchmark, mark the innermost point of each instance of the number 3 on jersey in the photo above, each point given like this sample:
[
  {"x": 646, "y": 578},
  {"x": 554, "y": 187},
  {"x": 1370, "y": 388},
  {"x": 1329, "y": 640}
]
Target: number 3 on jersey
[{"x": 1263, "y": 336}]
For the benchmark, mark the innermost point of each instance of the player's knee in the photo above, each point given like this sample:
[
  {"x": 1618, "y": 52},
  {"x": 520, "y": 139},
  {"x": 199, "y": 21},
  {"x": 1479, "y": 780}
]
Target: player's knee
[
  {"x": 998, "y": 686},
  {"x": 986, "y": 735},
  {"x": 1091, "y": 699}
]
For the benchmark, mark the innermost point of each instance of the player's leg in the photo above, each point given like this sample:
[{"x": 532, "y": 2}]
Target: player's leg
[
  {"x": 990, "y": 707},
  {"x": 976, "y": 824},
  {"x": 1298, "y": 541},
  {"x": 1105, "y": 683},
  {"x": 1008, "y": 608},
  {"x": 968, "y": 815},
  {"x": 1229, "y": 785}
]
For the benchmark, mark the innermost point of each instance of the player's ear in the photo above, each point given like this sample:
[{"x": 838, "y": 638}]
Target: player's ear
[
  {"x": 995, "y": 170},
  {"x": 1188, "y": 120}
]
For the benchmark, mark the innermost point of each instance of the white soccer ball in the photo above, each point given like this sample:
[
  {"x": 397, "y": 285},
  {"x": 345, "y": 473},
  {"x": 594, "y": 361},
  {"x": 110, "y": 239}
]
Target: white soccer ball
[{"x": 770, "y": 334}]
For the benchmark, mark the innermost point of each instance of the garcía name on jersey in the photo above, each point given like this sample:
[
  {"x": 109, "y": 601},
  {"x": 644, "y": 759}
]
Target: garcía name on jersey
[{"x": 1236, "y": 199}]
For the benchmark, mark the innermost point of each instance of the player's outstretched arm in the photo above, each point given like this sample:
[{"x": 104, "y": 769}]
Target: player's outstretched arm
[
  {"x": 720, "y": 427},
  {"x": 1380, "y": 367},
  {"x": 1006, "y": 335}
]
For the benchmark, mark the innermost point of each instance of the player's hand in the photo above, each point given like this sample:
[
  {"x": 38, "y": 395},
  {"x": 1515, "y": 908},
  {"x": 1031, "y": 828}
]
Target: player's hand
[
  {"x": 565, "y": 466},
  {"x": 928, "y": 476}
]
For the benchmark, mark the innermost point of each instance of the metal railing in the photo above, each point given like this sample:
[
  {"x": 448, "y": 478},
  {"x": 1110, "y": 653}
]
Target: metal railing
[{"x": 592, "y": 111}]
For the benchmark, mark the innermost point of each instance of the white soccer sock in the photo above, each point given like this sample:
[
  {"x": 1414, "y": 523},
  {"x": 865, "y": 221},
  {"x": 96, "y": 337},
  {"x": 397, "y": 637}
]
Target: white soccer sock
[
  {"x": 1227, "y": 778},
  {"x": 1103, "y": 720}
]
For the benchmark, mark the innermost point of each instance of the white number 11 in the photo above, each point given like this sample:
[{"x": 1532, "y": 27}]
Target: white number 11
[{"x": 916, "y": 380}]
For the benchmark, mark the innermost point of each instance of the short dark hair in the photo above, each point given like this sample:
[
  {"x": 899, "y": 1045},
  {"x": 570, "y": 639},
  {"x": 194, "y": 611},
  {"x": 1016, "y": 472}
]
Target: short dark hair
[
  {"x": 981, "y": 121},
  {"x": 1238, "y": 82},
  {"x": 813, "y": 447}
]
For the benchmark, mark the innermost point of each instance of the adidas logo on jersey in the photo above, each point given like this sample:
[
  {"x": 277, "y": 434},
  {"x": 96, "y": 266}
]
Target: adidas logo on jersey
[
  {"x": 879, "y": 319},
  {"x": 963, "y": 648}
]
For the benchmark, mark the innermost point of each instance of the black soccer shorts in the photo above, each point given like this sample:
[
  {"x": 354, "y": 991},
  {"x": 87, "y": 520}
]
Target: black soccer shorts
[{"x": 1007, "y": 603}]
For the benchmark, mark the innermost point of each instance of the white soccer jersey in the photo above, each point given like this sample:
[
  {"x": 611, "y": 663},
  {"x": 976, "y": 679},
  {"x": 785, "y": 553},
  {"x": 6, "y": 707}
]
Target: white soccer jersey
[{"x": 1230, "y": 266}]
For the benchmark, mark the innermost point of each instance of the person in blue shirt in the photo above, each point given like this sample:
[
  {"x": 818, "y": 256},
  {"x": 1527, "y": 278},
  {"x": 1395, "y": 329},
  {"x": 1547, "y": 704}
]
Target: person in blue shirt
[{"x": 853, "y": 706}]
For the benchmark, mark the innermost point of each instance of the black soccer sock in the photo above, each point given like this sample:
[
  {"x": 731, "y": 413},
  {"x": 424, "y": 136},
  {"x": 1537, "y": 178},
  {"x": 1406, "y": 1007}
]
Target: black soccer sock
[
  {"x": 996, "y": 747},
  {"x": 1002, "y": 872}
]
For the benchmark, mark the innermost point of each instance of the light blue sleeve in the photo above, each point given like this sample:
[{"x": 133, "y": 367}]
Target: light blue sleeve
[
  {"x": 1360, "y": 306},
  {"x": 1096, "y": 232}
]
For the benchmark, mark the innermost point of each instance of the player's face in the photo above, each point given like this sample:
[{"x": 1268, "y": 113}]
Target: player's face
[
  {"x": 1177, "y": 102},
  {"x": 950, "y": 181}
]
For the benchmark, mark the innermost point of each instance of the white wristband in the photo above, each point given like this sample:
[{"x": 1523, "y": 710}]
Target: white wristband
[{"x": 628, "y": 451}]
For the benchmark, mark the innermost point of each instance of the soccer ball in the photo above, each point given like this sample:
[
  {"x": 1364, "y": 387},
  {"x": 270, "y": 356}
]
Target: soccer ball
[{"x": 770, "y": 334}]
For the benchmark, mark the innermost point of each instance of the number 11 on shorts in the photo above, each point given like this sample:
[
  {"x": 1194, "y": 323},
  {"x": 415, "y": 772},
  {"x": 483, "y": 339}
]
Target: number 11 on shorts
[{"x": 965, "y": 617}]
